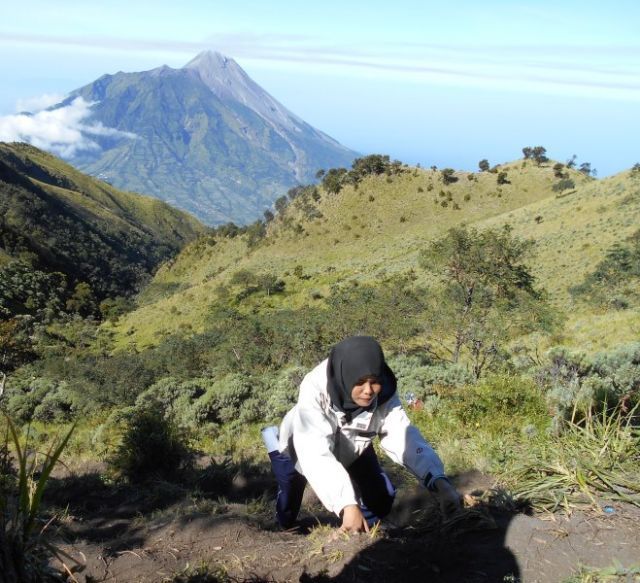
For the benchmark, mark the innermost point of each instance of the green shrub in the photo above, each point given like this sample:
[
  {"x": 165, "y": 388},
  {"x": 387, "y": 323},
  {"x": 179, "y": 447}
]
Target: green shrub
[
  {"x": 614, "y": 281},
  {"x": 417, "y": 375},
  {"x": 174, "y": 398},
  {"x": 281, "y": 393},
  {"x": 152, "y": 446},
  {"x": 499, "y": 399},
  {"x": 575, "y": 383},
  {"x": 22, "y": 398},
  {"x": 230, "y": 399},
  {"x": 563, "y": 184},
  {"x": 56, "y": 406}
]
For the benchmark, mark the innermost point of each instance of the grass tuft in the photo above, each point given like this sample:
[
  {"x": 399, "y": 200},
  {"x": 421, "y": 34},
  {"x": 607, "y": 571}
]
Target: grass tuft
[
  {"x": 595, "y": 458},
  {"x": 616, "y": 572}
]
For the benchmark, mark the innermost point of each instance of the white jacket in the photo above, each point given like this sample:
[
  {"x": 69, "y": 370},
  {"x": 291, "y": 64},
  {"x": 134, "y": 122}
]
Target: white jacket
[{"x": 324, "y": 444}]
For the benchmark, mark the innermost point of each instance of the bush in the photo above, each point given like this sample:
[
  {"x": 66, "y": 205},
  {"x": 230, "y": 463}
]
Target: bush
[
  {"x": 417, "y": 375},
  {"x": 575, "y": 383},
  {"x": 174, "y": 398},
  {"x": 152, "y": 446},
  {"x": 230, "y": 400},
  {"x": 56, "y": 406},
  {"x": 282, "y": 392},
  {"x": 498, "y": 400},
  {"x": 26, "y": 393},
  {"x": 563, "y": 184},
  {"x": 614, "y": 282},
  {"x": 503, "y": 178},
  {"x": 448, "y": 176}
]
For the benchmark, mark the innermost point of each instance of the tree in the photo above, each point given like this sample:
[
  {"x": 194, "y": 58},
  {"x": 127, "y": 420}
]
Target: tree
[
  {"x": 558, "y": 170},
  {"x": 372, "y": 164},
  {"x": 268, "y": 216},
  {"x": 503, "y": 178},
  {"x": 270, "y": 284},
  {"x": 255, "y": 232},
  {"x": 295, "y": 191},
  {"x": 228, "y": 230},
  {"x": 25, "y": 290},
  {"x": 585, "y": 168},
  {"x": 616, "y": 277},
  {"x": 16, "y": 345},
  {"x": 484, "y": 165},
  {"x": 571, "y": 163},
  {"x": 539, "y": 155},
  {"x": 281, "y": 204},
  {"x": 486, "y": 297},
  {"x": 448, "y": 176},
  {"x": 82, "y": 301},
  {"x": 333, "y": 180},
  {"x": 112, "y": 308}
]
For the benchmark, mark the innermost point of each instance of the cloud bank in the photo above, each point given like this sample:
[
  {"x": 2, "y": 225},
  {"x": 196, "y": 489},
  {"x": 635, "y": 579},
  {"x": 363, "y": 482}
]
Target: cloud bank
[{"x": 65, "y": 131}]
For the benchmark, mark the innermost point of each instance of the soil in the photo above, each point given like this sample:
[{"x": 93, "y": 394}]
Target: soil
[{"x": 152, "y": 533}]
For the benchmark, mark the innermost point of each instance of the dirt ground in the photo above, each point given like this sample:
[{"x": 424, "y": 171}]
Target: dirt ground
[{"x": 121, "y": 534}]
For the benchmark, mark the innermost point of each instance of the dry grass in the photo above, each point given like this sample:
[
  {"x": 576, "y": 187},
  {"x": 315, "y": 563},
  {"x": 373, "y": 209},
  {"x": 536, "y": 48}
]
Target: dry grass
[
  {"x": 615, "y": 573},
  {"x": 595, "y": 459}
]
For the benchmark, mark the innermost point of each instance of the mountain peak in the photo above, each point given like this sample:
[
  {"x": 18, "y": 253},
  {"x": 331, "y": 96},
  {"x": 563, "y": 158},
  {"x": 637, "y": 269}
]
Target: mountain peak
[
  {"x": 210, "y": 61},
  {"x": 209, "y": 139},
  {"x": 229, "y": 82}
]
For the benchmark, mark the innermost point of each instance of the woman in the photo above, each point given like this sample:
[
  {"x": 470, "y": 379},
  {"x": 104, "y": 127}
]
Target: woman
[{"x": 325, "y": 440}]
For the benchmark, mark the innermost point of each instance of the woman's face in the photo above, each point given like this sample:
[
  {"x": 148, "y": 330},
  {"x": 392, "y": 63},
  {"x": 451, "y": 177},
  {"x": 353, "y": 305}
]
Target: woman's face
[{"x": 365, "y": 391}]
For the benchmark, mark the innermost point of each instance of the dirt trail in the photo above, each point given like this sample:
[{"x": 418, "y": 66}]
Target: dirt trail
[{"x": 121, "y": 539}]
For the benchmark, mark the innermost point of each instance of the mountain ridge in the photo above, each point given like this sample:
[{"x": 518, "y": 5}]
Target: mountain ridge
[
  {"x": 375, "y": 230},
  {"x": 55, "y": 219}
]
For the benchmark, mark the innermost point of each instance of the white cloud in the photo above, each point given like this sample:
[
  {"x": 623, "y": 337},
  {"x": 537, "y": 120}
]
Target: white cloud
[
  {"x": 64, "y": 131},
  {"x": 35, "y": 104}
]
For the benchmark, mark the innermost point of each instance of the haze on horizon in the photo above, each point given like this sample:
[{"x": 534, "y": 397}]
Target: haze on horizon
[{"x": 422, "y": 82}]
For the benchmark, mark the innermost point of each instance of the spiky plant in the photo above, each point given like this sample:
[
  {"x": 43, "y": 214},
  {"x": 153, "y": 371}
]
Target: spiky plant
[
  {"x": 24, "y": 551},
  {"x": 596, "y": 458}
]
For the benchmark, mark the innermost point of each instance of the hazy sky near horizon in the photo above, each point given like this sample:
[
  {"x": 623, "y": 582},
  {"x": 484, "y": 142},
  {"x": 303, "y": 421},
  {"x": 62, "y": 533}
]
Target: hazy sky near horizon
[{"x": 419, "y": 80}]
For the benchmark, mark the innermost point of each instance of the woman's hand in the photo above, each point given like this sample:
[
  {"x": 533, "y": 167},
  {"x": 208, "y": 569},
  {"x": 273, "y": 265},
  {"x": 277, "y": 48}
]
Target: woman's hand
[
  {"x": 352, "y": 520},
  {"x": 448, "y": 496}
]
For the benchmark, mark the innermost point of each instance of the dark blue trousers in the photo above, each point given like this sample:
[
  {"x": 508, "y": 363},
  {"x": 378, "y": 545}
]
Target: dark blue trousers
[{"x": 369, "y": 480}]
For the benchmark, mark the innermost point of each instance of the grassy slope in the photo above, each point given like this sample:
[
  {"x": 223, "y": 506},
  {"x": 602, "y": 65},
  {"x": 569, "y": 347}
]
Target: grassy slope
[
  {"x": 574, "y": 234},
  {"x": 99, "y": 201},
  {"x": 362, "y": 239}
]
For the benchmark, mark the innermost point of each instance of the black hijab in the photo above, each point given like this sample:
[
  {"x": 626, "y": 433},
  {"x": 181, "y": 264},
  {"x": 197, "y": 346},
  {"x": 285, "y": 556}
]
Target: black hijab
[{"x": 352, "y": 359}]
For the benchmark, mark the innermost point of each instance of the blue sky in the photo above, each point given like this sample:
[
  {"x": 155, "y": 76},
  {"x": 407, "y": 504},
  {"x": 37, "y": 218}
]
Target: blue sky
[{"x": 422, "y": 81}]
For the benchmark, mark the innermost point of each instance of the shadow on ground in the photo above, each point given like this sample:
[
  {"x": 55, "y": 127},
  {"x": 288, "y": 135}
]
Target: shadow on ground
[
  {"x": 418, "y": 545},
  {"x": 95, "y": 509}
]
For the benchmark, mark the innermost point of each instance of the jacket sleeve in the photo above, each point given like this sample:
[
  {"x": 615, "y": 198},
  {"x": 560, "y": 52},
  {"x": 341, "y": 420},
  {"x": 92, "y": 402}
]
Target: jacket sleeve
[
  {"x": 313, "y": 439},
  {"x": 404, "y": 444}
]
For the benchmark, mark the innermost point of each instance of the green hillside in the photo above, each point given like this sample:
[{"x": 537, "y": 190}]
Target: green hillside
[
  {"x": 56, "y": 219},
  {"x": 376, "y": 228}
]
